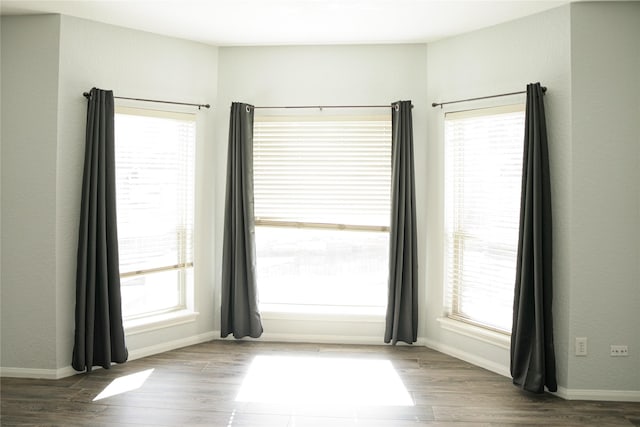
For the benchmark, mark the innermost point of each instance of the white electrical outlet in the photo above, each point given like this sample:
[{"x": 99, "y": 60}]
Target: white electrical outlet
[
  {"x": 581, "y": 346},
  {"x": 619, "y": 350}
]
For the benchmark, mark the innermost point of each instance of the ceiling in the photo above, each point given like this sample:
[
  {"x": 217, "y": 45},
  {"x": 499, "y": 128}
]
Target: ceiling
[{"x": 293, "y": 22}]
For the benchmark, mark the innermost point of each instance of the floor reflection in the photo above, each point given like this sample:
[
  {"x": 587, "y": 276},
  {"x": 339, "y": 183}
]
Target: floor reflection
[{"x": 323, "y": 380}]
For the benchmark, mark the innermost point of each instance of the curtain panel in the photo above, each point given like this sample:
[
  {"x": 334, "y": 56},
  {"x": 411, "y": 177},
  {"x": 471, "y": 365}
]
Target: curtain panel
[
  {"x": 99, "y": 334},
  {"x": 239, "y": 311},
  {"x": 532, "y": 352},
  {"x": 402, "y": 305}
]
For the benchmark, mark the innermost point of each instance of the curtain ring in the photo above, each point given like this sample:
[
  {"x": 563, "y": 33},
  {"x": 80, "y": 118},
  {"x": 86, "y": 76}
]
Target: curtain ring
[
  {"x": 397, "y": 106},
  {"x": 248, "y": 109}
]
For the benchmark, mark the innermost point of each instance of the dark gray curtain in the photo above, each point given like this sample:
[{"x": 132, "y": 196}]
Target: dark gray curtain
[
  {"x": 402, "y": 305},
  {"x": 99, "y": 334},
  {"x": 240, "y": 315},
  {"x": 532, "y": 355}
]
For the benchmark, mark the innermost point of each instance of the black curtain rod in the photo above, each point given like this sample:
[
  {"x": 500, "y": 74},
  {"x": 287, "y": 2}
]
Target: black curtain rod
[
  {"x": 435, "y": 104},
  {"x": 321, "y": 107},
  {"x": 88, "y": 95}
]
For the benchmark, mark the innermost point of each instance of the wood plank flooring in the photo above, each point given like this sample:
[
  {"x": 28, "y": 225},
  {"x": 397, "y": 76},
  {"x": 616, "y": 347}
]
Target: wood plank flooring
[{"x": 198, "y": 386}]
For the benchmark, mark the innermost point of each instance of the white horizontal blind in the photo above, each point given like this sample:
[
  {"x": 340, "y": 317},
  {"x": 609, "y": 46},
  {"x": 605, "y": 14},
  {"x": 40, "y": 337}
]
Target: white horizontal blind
[
  {"x": 322, "y": 171},
  {"x": 483, "y": 162},
  {"x": 155, "y": 162}
]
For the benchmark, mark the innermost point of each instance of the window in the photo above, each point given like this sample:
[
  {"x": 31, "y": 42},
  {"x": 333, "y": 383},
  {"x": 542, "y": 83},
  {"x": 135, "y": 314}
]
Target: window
[
  {"x": 483, "y": 169},
  {"x": 322, "y": 207},
  {"x": 155, "y": 153}
]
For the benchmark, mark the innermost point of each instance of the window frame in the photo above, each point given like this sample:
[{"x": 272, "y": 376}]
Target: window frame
[
  {"x": 287, "y": 310},
  {"x": 184, "y": 311},
  {"x": 452, "y": 318}
]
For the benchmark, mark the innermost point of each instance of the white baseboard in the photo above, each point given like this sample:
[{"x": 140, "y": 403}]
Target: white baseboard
[
  {"x": 47, "y": 374},
  {"x": 172, "y": 345},
  {"x": 324, "y": 339},
  {"x": 67, "y": 371},
  {"x": 600, "y": 395},
  {"x": 564, "y": 393},
  {"x": 315, "y": 339},
  {"x": 468, "y": 357}
]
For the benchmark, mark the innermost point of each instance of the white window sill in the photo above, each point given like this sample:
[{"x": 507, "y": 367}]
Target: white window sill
[
  {"x": 481, "y": 334},
  {"x": 322, "y": 313},
  {"x": 160, "y": 321}
]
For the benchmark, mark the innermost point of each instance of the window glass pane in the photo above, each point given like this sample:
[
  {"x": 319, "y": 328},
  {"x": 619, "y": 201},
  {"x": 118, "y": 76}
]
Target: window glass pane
[
  {"x": 150, "y": 293},
  {"x": 155, "y": 203},
  {"x": 322, "y": 267}
]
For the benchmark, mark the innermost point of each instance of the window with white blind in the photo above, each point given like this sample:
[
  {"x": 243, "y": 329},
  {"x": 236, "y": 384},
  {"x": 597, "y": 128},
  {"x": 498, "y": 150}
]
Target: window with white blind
[
  {"x": 483, "y": 169},
  {"x": 322, "y": 210},
  {"x": 155, "y": 161}
]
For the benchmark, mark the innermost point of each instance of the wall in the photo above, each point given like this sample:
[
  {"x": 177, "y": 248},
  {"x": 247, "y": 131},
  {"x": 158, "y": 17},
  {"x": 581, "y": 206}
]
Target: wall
[
  {"x": 593, "y": 112},
  {"x": 141, "y": 65},
  {"x": 29, "y": 127},
  {"x": 593, "y": 119},
  {"x": 605, "y": 284},
  {"x": 502, "y": 59},
  {"x": 54, "y": 60},
  {"x": 322, "y": 75}
]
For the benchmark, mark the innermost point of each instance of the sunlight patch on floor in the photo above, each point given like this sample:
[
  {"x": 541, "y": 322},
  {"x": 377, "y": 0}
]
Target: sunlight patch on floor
[
  {"x": 124, "y": 384},
  {"x": 323, "y": 380}
]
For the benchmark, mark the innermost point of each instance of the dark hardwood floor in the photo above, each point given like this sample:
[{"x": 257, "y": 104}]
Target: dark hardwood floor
[{"x": 304, "y": 385}]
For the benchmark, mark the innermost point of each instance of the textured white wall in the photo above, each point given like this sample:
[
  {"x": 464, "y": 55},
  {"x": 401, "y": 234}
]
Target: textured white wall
[
  {"x": 323, "y": 75},
  {"x": 48, "y": 62},
  {"x": 141, "y": 65},
  {"x": 495, "y": 60},
  {"x": 593, "y": 116},
  {"x": 29, "y": 128},
  {"x": 605, "y": 282},
  {"x": 593, "y": 119}
]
